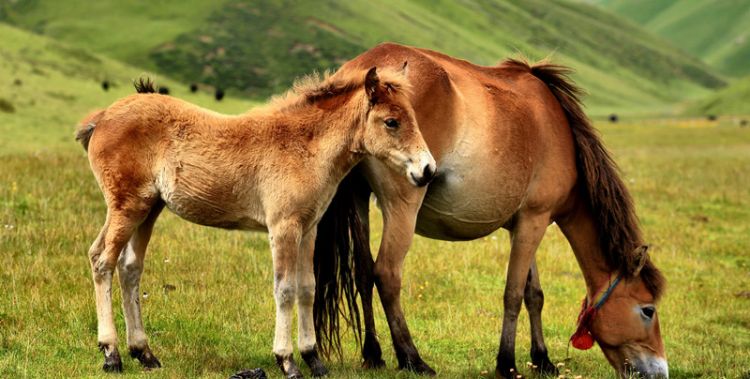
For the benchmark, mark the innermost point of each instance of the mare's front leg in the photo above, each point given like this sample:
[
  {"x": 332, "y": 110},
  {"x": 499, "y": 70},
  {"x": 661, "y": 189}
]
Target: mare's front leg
[
  {"x": 533, "y": 297},
  {"x": 526, "y": 234},
  {"x": 400, "y": 203},
  {"x": 305, "y": 298},
  {"x": 285, "y": 238}
]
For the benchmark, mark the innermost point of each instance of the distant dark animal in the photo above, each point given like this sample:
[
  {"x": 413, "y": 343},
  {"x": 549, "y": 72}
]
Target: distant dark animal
[
  {"x": 164, "y": 90},
  {"x": 193, "y": 88},
  {"x": 743, "y": 123},
  {"x": 17, "y": 82},
  {"x": 105, "y": 85},
  {"x": 613, "y": 118},
  {"x": 516, "y": 151},
  {"x": 711, "y": 117},
  {"x": 219, "y": 94}
]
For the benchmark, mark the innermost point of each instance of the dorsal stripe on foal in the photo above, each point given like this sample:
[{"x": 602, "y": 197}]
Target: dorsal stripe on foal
[{"x": 609, "y": 199}]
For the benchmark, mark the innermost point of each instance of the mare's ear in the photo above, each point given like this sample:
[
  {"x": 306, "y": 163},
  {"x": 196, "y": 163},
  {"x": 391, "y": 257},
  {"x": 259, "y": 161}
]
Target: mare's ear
[
  {"x": 641, "y": 257},
  {"x": 372, "y": 85}
]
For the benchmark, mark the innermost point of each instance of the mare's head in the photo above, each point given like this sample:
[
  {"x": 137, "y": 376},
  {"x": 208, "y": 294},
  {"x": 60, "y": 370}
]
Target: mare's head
[
  {"x": 390, "y": 132},
  {"x": 626, "y": 325}
]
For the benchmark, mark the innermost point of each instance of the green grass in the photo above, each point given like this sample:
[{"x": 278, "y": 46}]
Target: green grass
[
  {"x": 258, "y": 48},
  {"x": 715, "y": 31},
  {"x": 691, "y": 191}
]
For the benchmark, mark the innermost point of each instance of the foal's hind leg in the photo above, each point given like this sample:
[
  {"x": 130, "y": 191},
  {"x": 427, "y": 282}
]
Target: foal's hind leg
[
  {"x": 533, "y": 297},
  {"x": 103, "y": 257},
  {"x": 130, "y": 268},
  {"x": 526, "y": 235}
]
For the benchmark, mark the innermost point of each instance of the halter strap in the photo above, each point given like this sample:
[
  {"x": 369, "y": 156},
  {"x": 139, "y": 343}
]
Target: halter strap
[{"x": 582, "y": 338}]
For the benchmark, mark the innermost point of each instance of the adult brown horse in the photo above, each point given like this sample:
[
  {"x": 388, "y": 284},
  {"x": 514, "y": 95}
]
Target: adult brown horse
[
  {"x": 514, "y": 150},
  {"x": 272, "y": 169}
]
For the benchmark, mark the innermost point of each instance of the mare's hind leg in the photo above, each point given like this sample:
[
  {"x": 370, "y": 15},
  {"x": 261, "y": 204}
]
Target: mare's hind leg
[
  {"x": 371, "y": 352},
  {"x": 526, "y": 234},
  {"x": 103, "y": 257},
  {"x": 533, "y": 297},
  {"x": 305, "y": 299},
  {"x": 130, "y": 268}
]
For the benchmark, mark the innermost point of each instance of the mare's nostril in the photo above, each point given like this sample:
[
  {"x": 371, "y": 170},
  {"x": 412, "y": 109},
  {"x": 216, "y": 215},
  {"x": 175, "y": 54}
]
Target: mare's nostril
[{"x": 428, "y": 173}]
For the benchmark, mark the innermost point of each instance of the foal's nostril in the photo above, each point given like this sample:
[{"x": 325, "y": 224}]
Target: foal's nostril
[{"x": 428, "y": 173}]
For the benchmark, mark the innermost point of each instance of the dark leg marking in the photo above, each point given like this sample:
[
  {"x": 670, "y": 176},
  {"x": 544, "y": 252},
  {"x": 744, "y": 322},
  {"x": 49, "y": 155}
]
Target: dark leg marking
[
  {"x": 314, "y": 363},
  {"x": 288, "y": 367},
  {"x": 112, "y": 360},
  {"x": 146, "y": 357}
]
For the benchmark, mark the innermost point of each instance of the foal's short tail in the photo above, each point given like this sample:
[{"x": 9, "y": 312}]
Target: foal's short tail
[
  {"x": 86, "y": 127},
  {"x": 341, "y": 239}
]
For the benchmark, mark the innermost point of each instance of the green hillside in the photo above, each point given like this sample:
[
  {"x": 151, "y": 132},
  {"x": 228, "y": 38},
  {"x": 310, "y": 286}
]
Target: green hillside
[
  {"x": 49, "y": 86},
  {"x": 732, "y": 100},
  {"x": 258, "y": 48},
  {"x": 716, "y": 31}
]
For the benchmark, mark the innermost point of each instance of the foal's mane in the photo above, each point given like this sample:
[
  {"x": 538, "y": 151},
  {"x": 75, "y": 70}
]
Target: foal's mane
[
  {"x": 609, "y": 199},
  {"x": 316, "y": 87}
]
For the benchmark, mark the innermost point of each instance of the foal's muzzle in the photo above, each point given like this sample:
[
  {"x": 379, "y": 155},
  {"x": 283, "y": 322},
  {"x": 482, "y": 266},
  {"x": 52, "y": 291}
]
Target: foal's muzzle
[{"x": 422, "y": 171}]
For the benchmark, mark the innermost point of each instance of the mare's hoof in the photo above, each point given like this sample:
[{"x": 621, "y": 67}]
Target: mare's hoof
[
  {"x": 256, "y": 373},
  {"x": 373, "y": 363},
  {"x": 510, "y": 373},
  {"x": 314, "y": 363},
  {"x": 420, "y": 368},
  {"x": 146, "y": 357},
  {"x": 545, "y": 367}
]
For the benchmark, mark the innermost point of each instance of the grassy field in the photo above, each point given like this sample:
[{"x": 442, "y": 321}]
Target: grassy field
[{"x": 207, "y": 294}]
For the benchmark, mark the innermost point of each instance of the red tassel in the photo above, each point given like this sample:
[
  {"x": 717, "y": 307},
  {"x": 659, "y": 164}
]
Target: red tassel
[{"x": 582, "y": 338}]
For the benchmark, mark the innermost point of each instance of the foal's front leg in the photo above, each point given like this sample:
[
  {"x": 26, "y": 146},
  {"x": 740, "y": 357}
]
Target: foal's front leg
[
  {"x": 285, "y": 240},
  {"x": 305, "y": 298}
]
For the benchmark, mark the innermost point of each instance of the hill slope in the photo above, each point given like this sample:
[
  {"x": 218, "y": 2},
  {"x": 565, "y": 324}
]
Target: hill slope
[
  {"x": 49, "y": 86},
  {"x": 716, "y": 31},
  {"x": 734, "y": 99},
  {"x": 259, "y": 48}
]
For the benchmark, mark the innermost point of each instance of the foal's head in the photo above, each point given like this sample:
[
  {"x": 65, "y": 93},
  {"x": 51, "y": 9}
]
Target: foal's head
[
  {"x": 626, "y": 326},
  {"x": 390, "y": 131}
]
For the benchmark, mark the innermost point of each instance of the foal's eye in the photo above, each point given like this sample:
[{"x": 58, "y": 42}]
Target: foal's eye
[
  {"x": 391, "y": 123},
  {"x": 648, "y": 311}
]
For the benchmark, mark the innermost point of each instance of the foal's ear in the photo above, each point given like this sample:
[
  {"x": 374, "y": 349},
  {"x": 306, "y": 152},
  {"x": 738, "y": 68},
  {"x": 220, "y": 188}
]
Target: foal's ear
[
  {"x": 372, "y": 85},
  {"x": 405, "y": 69},
  {"x": 641, "y": 257}
]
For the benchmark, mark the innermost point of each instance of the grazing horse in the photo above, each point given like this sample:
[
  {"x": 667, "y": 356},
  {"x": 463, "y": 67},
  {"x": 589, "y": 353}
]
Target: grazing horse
[
  {"x": 271, "y": 169},
  {"x": 514, "y": 151}
]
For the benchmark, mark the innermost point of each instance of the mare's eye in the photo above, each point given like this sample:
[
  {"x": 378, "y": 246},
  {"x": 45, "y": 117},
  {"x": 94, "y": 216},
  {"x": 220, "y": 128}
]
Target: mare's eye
[
  {"x": 648, "y": 311},
  {"x": 391, "y": 123}
]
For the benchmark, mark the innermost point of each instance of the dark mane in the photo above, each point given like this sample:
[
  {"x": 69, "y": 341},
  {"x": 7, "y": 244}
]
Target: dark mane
[
  {"x": 609, "y": 200},
  {"x": 144, "y": 85}
]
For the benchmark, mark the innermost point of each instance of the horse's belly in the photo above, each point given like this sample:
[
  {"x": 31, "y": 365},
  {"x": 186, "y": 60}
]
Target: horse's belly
[
  {"x": 468, "y": 201},
  {"x": 208, "y": 200}
]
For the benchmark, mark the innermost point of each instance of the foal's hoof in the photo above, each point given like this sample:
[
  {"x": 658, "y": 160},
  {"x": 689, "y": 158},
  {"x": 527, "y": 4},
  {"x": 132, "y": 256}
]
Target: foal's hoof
[
  {"x": 146, "y": 357},
  {"x": 314, "y": 363},
  {"x": 112, "y": 360},
  {"x": 256, "y": 373},
  {"x": 288, "y": 367},
  {"x": 510, "y": 373}
]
